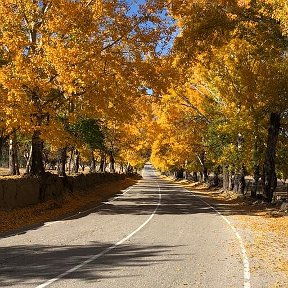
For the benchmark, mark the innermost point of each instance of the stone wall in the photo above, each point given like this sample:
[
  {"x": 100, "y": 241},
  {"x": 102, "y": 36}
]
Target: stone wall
[{"x": 21, "y": 192}]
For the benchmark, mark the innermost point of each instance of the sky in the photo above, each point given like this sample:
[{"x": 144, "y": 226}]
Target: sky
[
  {"x": 134, "y": 5},
  {"x": 163, "y": 49}
]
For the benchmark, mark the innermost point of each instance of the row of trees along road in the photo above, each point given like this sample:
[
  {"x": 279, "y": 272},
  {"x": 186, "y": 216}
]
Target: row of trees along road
[
  {"x": 75, "y": 75},
  {"x": 226, "y": 109}
]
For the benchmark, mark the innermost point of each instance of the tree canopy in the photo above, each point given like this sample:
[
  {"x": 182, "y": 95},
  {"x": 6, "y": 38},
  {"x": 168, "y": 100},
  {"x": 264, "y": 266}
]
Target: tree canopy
[{"x": 192, "y": 85}]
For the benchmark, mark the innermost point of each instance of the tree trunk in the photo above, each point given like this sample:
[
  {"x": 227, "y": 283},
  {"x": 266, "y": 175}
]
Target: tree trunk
[
  {"x": 62, "y": 161},
  {"x": 215, "y": 181},
  {"x": 269, "y": 174},
  {"x": 180, "y": 173},
  {"x": 204, "y": 171},
  {"x": 231, "y": 180},
  {"x": 28, "y": 163},
  {"x": 236, "y": 181},
  {"x": 76, "y": 163},
  {"x": 129, "y": 168},
  {"x": 256, "y": 156},
  {"x": 70, "y": 161},
  {"x": 200, "y": 176},
  {"x": 121, "y": 167},
  {"x": 102, "y": 163},
  {"x": 12, "y": 170},
  {"x": 16, "y": 156},
  {"x": 194, "y": 177},
  {"x": 112, "y": 163},
  {"x": 256, "y": 178},
  {"x": 239, "y": 181},
  {"x": 37, "y": 167},
  {"x": 93, "y": 162},
  {"x": 242, "y": 183},
  {"x": 2, "y": 141},
  {"x": 225, "y": 177},
  {"x": 205, "y": 174},
  {"x": 3, "y": 138}
]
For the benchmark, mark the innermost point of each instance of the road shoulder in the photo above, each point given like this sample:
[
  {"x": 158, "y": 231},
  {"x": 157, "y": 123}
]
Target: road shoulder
[{"x": 36, "y": 215}]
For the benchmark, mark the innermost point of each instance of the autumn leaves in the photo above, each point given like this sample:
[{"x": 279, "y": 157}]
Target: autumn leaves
[
  {"x": 219, "y": 98},
  {"x": 64, "y": 61},
  {"x": 228, "y": 100}
]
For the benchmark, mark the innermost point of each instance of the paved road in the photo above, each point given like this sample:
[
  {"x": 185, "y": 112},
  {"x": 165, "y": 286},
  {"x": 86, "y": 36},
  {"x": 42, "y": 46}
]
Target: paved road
[{"x": 155, "y": 235}]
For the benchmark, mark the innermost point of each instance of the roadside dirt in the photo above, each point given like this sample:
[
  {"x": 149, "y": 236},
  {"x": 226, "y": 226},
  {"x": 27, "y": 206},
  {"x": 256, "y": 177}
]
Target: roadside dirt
[
  {"x": 263, "y": 227},
  {"x": 69, "y": 204}
]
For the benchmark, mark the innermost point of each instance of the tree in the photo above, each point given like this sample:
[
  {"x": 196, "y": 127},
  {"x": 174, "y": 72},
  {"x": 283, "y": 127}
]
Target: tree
[
  {"x": 242, "y": 68},
  {"x": 137, "y": 135},
  {"x": 88, "y": 54},
  {"x": 89, "y": 132}
]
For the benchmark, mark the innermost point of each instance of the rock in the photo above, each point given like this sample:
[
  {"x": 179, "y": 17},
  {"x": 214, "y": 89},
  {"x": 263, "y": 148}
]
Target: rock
[
  {"x": 276, "y": 214},
  {"x": 284, "y": 207}
]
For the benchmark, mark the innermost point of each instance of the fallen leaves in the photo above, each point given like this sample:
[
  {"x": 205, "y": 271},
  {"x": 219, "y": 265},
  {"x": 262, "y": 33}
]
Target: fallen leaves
[{"x": 69, "y": 204}]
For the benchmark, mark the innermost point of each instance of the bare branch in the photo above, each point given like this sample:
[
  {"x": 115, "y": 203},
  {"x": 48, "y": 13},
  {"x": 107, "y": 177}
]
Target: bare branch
[
  {"x": 124, "y": 35},
  {"x": 195, "y": 87},
  {"x": 188, "y": 103},
  {"x": 52, "y": 78}
]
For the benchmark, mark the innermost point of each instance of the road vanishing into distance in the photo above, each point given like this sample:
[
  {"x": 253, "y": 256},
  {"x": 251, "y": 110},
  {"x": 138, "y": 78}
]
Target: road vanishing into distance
[{"x": 156, "y": 234}]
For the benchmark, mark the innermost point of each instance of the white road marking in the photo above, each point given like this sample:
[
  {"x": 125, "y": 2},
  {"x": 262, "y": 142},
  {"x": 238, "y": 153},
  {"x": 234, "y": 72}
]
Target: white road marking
[
  {"x": 96, "y": 256},
  {"x": 244, "y": 255}
]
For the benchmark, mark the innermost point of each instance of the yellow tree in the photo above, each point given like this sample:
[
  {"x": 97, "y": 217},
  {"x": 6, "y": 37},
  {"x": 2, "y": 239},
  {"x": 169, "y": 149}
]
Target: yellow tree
[
  {"x": 83, "y": 54},
  {"x": 181, "y": 122},
  {"x": 128, "y": 139},
  {"x": 245, "y": 68}
]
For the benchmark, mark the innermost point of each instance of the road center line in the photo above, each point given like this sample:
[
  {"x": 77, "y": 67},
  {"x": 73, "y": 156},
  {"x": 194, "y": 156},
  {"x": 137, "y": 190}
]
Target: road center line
[{"x": 96, "y": 256}]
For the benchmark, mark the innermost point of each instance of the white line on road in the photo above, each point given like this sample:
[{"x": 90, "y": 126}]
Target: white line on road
[
  {"x": 244, "y": 255},
  {"x": 96, "y": 256}
]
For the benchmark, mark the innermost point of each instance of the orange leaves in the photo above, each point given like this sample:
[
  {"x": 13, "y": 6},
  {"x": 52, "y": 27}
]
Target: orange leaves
[
  {"x": 75, "y": 58},
  {"x": 229, "y": 67},
  {"x": 69, "y": 59},
  {"x": 138, "y": 134},
  {"x": 179, "y": 128}
]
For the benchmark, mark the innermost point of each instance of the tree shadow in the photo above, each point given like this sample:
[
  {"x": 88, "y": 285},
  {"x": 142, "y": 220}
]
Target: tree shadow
[
  {"x": 174, "y": 201},
  {"x": 242, "y": 205},
  {"x": 143, "y": 199},
  {"x": 40, "y": 263}
]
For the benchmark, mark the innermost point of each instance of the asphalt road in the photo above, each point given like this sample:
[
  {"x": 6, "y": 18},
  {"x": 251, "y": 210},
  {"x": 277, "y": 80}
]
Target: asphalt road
[{"x": 155, "y": 235}]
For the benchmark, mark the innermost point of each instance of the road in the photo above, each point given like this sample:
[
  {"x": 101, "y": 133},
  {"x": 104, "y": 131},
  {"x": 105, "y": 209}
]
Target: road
[{"x": 154, "y": 235}]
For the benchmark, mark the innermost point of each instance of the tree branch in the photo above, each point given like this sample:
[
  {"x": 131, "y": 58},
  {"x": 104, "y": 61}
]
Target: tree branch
[{"x": 187, "y": 103}]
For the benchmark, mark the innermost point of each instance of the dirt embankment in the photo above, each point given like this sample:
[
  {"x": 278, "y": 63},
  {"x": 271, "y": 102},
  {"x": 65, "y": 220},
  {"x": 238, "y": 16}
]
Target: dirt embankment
[{"x": 68, "y": 202}]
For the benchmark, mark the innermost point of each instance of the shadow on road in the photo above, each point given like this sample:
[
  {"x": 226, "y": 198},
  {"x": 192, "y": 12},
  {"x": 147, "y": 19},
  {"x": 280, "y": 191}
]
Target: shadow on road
[
  {"x": 19, "y": 264},
  {"x": 175, "y": 200}
]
